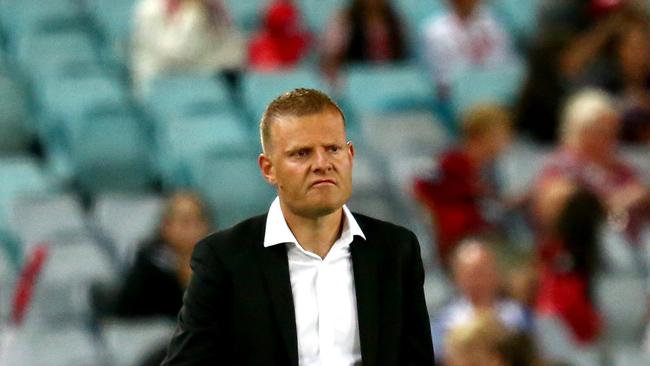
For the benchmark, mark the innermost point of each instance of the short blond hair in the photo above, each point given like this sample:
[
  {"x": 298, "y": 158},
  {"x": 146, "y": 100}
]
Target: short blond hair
[
  {"x": 483, "y": 118},
  {"x": 582, "y": 110},
  {"x": 296, "y": 103}
]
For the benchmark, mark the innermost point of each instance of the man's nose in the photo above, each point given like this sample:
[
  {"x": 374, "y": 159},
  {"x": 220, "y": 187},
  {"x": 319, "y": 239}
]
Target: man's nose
[{"x": 322, "y": 161}]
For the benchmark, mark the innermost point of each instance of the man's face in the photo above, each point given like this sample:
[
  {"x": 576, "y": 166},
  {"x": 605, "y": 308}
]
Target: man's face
[{"x": 309, "y": 161}]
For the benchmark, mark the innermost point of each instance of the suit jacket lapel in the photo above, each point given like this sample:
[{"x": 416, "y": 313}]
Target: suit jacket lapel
[
  {"x": 365, "y": 267},
  {"x": 275, "y": 266}
]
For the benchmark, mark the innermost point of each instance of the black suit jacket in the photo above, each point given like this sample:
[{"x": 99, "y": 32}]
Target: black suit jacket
[{"x": 238, "y": 308}]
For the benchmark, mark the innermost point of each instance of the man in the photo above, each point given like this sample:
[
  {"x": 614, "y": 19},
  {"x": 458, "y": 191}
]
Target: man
[
  {"x": 309, "y": 283},
  {"x": 478, "y": 281}
]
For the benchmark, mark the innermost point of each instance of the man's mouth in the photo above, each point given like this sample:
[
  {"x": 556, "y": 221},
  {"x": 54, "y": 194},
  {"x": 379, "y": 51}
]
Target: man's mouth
[{"x": 323, "y": 182}]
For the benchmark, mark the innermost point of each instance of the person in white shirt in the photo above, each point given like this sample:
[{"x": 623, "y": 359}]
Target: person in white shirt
[
  {"x": 176, "y": 36},
  {"x": 466, "y": 36},
  {"x": 478, "y": 282},
  {"x": 309, "y": 283}
]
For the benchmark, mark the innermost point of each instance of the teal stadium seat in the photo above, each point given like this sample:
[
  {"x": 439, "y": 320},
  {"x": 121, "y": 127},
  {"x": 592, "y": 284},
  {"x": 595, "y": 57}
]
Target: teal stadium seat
[
  {"x": 259, "y": 89},
  {"x": 16, "y": 128},
  {"x": 113, "y": 152},
  {"x": 246, "y": 14},
  {"x": 19, "y": 176},
  {"x": 233, "y": 186},
  {"x": 188, "y": 138},
  {"x": 114, "y": 19},
  {"x": 495, "y": 85},
  {"x": 318, "y": 13},
  {"x": 41, "y": 55},
  {"x": 173, "y": 96},
  {"x": 390, "y": 88},
  {"x": 22, "y": 17}
]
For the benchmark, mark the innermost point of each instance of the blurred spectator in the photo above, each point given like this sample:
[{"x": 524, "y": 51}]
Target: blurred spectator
[
  {"x": 632, "y": 81},
  {"x": 365, "y": 31},
  {"x": 455, "y": 194},
  {"x": 569, "y": 219},
  {"x": 485, "y": 341},
  {"x": 572, "y": 49},
  {"x": 478, "y": 281},
  {"x": 588, "y": 157},
  {"x": 183, "y": 35},
  {"x": 466, "y": 36},
  {"x": 282, "y": 42},
  {"x": 155, "y": 284}
]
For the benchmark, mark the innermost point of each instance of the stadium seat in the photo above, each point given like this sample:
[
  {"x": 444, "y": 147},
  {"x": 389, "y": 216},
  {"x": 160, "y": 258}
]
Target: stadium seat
[
  {"x": 16, "y": 128},
  {"x": 519, "y": 17},
  {"x": 619, "y": 298},
  {"x": 62, "y": 290},
  {"x": 65, "y": 344},
  {"x": 19, "y": 176},
  {"x": 246, "y": 14},
  {"x": 129, "y": 342},
  {"x": 631, "y": 356},
  {"x": 174, "y": 96},
  {"x": 7, "y": 280},
  {"x": 22, "y": 17},
  {"x": 113, "y": 152},
  {"x": 259, "y": 89},
  {"x": 318, "y": 13},
  {"x": 188, "y": 138},
  {"x": 233, "y": 186},
  {"x": 126, "y": 220},
  {"x": 115, "y": 20},
  {"x": 405, "y": 132},
  {"x": 64, "y": 103},
  {"x": 43, "y": 54},
  {"x": 42, "y": 218},
  {"x": 482, "y": 85},
  {"x": 381, "y": 89}
]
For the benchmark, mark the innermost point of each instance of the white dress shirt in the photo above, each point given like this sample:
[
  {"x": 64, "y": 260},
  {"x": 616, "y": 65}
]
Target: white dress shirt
[
  {"x": 324, "y": 295},
  {"x": 452, "y": 45}
]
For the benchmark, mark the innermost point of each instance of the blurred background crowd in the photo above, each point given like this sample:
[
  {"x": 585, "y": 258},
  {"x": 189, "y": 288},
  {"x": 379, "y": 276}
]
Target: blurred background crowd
[{"x": 512, "y": 136}]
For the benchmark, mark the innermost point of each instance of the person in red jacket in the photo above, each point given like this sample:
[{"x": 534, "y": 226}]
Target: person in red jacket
[
  {"x": 454, "y": 196},
  {"x": 568, "y": 219},
  {"x": 282, "y": 42}
]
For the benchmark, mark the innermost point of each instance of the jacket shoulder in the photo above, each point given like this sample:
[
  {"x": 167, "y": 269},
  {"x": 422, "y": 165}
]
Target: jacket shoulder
[{"x": 234, "y": 241}]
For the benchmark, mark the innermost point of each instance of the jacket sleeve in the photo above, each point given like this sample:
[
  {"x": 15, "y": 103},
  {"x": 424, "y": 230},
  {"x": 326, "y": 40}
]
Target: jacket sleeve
[
  {"x": 204, "y": 331},
  {"x": 417, "y": 347}
]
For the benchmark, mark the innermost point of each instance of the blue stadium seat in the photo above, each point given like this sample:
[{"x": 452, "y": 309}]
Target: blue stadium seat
[
  {"x": 619, "y": 298},
  {"x": 63, "y": 344},
  {"x": 259, "y": 89},
  {"x": 233, "y": 186},
  {"x": 113, "y": 153},
  {"x": 126, "y": 220},
  {"x": 115, "y": 20},
  {"x": 246, "y": 14},
  {"x": 381, "y": 89},
  {"x": 19, "y": 176},
  {"x": 174, "y": 96},
  {"x": 519, "y": 17},
  {"x": 44, "y": 54},
  {"x": 22, "y": 17},
  {"x": 495, "y": 85},
  {"x": 405, "y": 133},
  {"x": 188, "y": 138},
  {"x": 318, "y": 13},
  {"x": 16, "y": 128},
  {"x": 130, "y": 341}
]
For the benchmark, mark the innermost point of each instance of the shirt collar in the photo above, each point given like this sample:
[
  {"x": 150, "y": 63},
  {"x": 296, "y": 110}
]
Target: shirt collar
[{"x": 277, "y": 231}]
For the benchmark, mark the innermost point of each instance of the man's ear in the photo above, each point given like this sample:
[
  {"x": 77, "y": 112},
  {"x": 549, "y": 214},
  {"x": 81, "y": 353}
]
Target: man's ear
[
  {"x": 351, "y": 151},
  {"x": 267, "y": 169}
]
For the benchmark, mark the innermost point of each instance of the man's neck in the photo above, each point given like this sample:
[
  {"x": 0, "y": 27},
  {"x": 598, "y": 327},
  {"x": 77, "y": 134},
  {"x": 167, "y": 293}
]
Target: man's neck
[{"x": 316, "y": 235}]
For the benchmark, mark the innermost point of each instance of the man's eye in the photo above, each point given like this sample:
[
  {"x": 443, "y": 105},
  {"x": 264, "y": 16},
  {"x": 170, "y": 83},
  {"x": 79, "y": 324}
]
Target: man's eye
[{"x": 334, "y": 148}]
